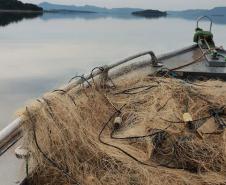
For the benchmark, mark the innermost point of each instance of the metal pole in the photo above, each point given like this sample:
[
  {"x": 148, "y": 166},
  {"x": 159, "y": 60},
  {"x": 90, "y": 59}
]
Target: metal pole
[{"x": 9, "y": 130}]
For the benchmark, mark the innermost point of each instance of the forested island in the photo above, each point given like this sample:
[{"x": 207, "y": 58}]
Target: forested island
[
  {"x": 15, "y": 11},
  {"x": 150, "y": 13},
  {"x": 15, "y": 5}
]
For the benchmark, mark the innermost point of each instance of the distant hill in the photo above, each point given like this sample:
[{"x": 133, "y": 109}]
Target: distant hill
[
  {"x": 218, "y": 14},
  {"x": 150, "y": 13},
  {"x": 218, "y": 11},
  {"x": 87, "y": 8},
  {"x": 18, "y": 5}
]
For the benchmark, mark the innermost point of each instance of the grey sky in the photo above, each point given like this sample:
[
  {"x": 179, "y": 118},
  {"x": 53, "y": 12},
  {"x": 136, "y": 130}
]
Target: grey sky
[{"x": 148, "y": 4}]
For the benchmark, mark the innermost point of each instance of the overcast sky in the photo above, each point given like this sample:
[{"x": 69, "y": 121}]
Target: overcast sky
[{"x": 147, "y": 4}]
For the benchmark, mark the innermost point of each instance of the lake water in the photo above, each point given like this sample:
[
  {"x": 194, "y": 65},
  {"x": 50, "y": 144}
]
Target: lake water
[{"x": 42, "y": 53}]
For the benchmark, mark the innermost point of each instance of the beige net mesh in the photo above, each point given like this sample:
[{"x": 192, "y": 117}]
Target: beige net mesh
[{"x": 62, "y": 134}]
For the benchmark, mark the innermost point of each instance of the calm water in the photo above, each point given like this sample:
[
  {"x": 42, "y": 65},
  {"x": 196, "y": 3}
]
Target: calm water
[{"x": 40, "y": 54}]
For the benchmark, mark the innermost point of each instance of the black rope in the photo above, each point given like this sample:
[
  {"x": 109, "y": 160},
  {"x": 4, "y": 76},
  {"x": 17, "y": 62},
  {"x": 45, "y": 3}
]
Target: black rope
[
  {"x": 181, "y": 121},
  {"x": 81, "y": 77},
  {"x": 164, "y": 72},
  {"x": 38, "y": 100},
  {"x": 130, "y": 90},
  {"x": 95, "y": 68},
  {"x": 54, "y": 163},
  {"x": 135, "y": 137},
  {"x": 65, "y": 92},
  {"x": 199, "y": 85},
  {"x": 202, "y": 119},
  {"x": 157, "y": 139},
  {"x": 54, "y": 118},
  {"x": 49, "y": 109},
  {"x": 102, "y": 70},
  {"x": 162, "y": 107},
  {"x": 48, "y": 128},
  {"x": 112, "y": 82},
  {"x": 217, "y": 113},
  {"x": 118, "y": 148},
  {"x": 59, "y": 90},
  {"x": 170, "y": 121},
  {"x": 56, "y": 121}
]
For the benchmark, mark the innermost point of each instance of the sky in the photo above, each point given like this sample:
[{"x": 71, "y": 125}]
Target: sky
[{"x": 147, "y": 4}]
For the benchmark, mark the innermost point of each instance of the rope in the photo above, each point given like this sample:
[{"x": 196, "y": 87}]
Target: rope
[
  {"x": 82, "y": 77},
  {"x": 54, "y": 163},
  {"x": 136, "y": 137},
  {"x": 64, "y": 92},
  {"x": 130, "y": 90},
  {"x": 118, "y": 148},
  {"x": 190, "y": 63},
  {"x": 100, "y": 68},
  {"x": 167, "y": 70}
]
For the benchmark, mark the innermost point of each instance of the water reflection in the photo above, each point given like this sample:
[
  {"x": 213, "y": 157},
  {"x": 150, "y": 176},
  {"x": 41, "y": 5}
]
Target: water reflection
[
  {"x": 85, "y": 16},
  {"x": 7, "y": 18},
  {"x": 90, "y": 16}
]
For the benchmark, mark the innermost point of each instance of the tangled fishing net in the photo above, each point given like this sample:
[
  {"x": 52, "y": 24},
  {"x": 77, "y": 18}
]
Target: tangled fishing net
[{"x": 72, "y": 137}]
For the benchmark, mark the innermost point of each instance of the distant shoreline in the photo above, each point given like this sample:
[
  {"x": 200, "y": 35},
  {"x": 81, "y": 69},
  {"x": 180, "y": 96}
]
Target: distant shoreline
[
  {"x": 150, "y": 13},
  {"x": 67, "y": 11},
  {"x": 20, "y": 11},
  {"x": 45, "y": 11}
]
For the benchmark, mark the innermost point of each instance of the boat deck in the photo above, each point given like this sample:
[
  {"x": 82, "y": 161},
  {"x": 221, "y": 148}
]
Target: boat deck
[{"x": 199, "y": 68}]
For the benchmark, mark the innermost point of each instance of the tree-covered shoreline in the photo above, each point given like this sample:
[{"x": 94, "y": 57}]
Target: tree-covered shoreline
[
  {"x": 150, "y": 13},
  {"x": 16, "y": 5}
]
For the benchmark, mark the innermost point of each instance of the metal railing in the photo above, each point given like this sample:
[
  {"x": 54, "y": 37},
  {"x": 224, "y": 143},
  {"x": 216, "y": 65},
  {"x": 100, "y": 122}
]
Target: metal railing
[{"x": 205, "y": 17}]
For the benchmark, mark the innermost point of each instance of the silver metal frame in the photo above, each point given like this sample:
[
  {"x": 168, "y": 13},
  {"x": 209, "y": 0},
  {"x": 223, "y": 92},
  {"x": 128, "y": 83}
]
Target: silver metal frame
[{"x": 205, "y": 17}]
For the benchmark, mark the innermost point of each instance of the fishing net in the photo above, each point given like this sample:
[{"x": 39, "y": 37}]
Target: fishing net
[{"x": 72, "y": 137}]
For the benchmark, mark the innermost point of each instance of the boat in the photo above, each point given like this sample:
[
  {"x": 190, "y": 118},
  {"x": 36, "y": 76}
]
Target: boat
[{"x": 100, "y": 116}]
